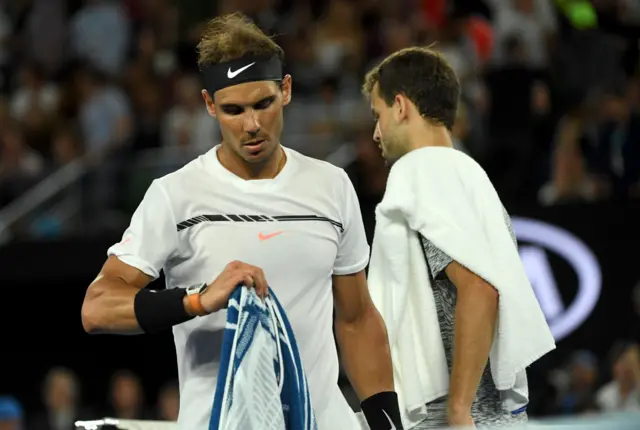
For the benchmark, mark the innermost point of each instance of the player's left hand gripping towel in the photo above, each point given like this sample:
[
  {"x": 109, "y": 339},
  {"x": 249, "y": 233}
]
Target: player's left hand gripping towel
[{"x": 261, "y": 382}]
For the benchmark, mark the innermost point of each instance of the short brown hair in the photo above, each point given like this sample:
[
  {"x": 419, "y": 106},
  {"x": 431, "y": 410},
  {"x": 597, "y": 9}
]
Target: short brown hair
[
  {"x": 229, "y": 37},
  {"x": 424, "y": 77}
]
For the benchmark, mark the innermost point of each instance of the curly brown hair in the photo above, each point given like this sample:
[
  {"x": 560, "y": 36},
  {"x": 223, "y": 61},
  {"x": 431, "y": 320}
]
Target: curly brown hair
[
  {"x": 422, "y": 75},
  {"x": 229, "y": 37}
]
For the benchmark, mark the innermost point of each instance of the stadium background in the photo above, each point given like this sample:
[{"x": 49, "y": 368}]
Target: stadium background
[{"x": 99, "y": 97}]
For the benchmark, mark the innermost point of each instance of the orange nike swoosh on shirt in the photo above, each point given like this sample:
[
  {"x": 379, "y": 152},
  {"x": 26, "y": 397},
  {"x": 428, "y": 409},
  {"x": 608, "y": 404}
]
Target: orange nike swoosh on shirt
[{"x": 269, "y": 236}]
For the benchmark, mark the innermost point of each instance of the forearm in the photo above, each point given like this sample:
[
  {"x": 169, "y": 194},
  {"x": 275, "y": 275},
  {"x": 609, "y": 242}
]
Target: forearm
[
  {"x": 365, "y": 353},
  {"x": 476, "y": 311}
]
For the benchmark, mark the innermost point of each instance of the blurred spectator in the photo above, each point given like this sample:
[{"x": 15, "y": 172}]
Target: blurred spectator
[
  {"x": 570, "y": 181},
  {"x": 576, "y": 385},
  {"x": 45, "y": 34},
  {"x": 316, "y": 125},
  {"x": 34, "y": 105},
  {"x": 126, "y": 397},
  {"x": 531, "y": 21},
  {"x": 148, "y": 108},
  {"x": 588, "y": 58},
  {"x": 395, "y": 35},
  {"x": 623, "y": 392},
  {"x": 456, "y": 45},
  {"x": 162, "y": 17},
  {"x": 187, "y": 124},
  {"x": 62, "y": 407},
  {"x": 168, "y": 402},
  {"x": 518, "y": 98},
  {"x": 65, "y": 145},
  {"x": 20, "y": 166},
  {"x": 302, "y": 62},
  {"x": 260, "y": 11},
  {"x": 33, "y": 94},
  {"x": 104, "y": 112},
  {"x": 149, "y": 62},
  {"x": 99, "y": 35},
  {"x": 337, "y": 37},
  {"x": 10, "y": 414},
  {"x": 143, "y": 65},
  {"x": 106, "y": 125},
  {"x": 614, "y": 156}
]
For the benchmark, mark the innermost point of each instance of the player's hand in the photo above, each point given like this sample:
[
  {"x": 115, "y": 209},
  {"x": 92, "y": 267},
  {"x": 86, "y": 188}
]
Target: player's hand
[{"x": 216, "y": 296}]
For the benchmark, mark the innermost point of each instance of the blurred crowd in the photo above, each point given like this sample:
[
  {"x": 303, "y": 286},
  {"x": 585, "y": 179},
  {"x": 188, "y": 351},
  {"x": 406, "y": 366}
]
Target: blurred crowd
[
  {"x": 583, "y": 386},
  {"x": 551, "y": 88},
  {"x": 550, "y": 108},
  {"x": 63, "y": 403},
  {"x": 588, "y": 385}
]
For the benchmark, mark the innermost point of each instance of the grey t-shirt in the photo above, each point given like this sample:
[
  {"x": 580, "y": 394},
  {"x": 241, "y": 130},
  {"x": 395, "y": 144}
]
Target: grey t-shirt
[{"x": 487, "y": 407}]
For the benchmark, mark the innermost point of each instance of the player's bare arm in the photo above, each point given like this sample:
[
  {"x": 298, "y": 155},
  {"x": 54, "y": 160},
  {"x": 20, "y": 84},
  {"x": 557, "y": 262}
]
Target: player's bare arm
[
  {"x": 362, "y": 336},
  {"x": 108, "y": 302},
  {"x": 115, "y": 302},
  {"x": 364, "y": 349},
  {"x": 476, "y": 312}
]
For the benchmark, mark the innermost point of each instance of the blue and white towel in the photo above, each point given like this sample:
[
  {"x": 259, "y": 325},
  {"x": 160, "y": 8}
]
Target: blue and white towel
[{"x": 261, "y": 382}]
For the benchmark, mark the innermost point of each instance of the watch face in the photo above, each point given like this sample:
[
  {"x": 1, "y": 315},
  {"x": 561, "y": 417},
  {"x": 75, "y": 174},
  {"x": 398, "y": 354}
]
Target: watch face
[{"x": 196, "y": 289}]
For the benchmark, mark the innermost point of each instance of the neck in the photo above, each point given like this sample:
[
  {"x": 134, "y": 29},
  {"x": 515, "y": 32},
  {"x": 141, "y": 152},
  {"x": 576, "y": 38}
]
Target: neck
[
  {"x": 422, "y": 133},
  {"x": 268, "y": 169}
]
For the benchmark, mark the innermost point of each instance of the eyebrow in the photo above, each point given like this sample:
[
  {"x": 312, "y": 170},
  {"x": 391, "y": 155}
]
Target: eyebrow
[{"x": 240, "y": 105}]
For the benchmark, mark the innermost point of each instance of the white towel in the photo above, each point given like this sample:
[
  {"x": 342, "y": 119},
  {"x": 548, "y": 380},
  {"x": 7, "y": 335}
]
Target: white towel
[{"x": 445, "y": 196}]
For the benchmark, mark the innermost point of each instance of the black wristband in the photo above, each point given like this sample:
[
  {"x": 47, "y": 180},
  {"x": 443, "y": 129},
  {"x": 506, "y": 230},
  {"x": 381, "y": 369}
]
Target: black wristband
[
  {"x": 160, "y": 310},
  {"x": 382, "y": 411}
]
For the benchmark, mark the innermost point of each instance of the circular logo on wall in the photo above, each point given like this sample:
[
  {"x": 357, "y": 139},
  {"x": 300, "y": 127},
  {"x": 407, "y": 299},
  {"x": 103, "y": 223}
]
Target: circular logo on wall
[{"x": 542, "y": 238}]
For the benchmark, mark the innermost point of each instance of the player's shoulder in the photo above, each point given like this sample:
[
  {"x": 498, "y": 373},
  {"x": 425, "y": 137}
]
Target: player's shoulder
[
  {"x": 435, "y": 155},
  {"x": 316, "y": 167},
  {"x": 176, "y": 180},
  {"x": 437, "y": 160}
]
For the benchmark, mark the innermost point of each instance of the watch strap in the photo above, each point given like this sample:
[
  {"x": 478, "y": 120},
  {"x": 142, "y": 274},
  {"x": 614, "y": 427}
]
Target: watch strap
[{"x": 194, "y": 301}]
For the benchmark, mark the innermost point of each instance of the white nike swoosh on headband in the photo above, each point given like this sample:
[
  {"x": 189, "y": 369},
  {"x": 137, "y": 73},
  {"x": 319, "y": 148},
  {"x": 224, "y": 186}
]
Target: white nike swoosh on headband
[
  {"x": 232, "y": 75},
  {"x": 393, "y": 426}
]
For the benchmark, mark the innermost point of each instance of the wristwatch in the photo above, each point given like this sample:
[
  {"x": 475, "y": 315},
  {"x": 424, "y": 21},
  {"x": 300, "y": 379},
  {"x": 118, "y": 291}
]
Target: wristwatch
[{"x": 193, "y": 295}]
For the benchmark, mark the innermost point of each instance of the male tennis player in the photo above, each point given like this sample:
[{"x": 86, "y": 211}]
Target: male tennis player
[
  {"x": 251, "y": 211},
  {"x": 436, "y": 193}
]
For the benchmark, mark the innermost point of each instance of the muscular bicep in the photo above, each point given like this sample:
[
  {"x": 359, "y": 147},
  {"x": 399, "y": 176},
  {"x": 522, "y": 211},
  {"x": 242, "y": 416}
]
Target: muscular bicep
[
  {"x": 351, "y": 297},
  {"x": 116, "y": 273},
  {"x": 117, "y": 270},
  {"x": 108, "y": 305}
]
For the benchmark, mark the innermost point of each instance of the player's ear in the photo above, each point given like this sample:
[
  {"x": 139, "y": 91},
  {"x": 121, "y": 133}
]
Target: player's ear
[
  {"x": 400, "y": 107},
  {"x": 208, "y": 101},
  {"x": 285, "y": 87}
]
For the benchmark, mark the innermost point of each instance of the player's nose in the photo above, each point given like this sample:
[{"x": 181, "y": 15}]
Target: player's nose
[
  {"x": 376, "y": 134},
  {"x": 251, "y": 124}
]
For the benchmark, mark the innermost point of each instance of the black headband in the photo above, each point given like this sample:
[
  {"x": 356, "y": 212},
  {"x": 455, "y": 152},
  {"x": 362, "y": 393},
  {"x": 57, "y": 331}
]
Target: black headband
[{"x": 246, "y": 69}]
